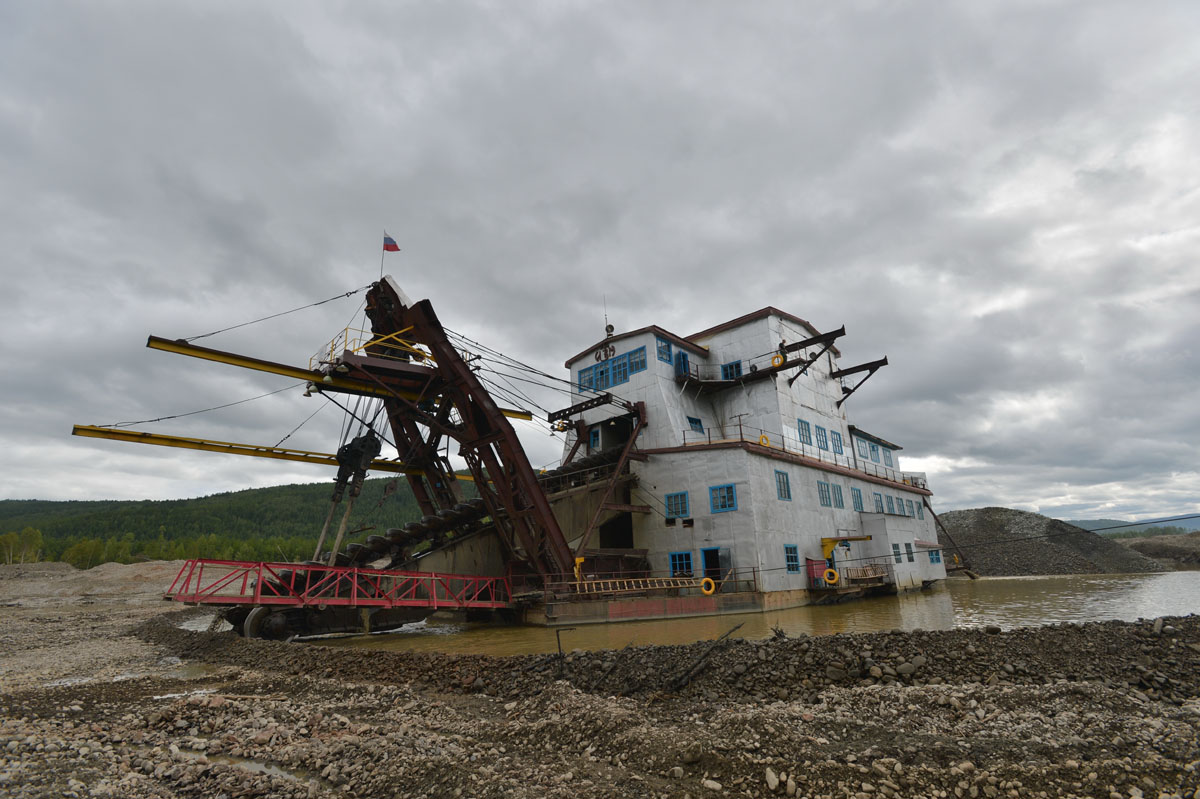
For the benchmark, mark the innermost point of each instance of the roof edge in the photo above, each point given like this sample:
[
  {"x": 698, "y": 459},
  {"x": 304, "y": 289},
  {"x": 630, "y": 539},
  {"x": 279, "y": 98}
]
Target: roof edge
[{"x": 678, "y": 341}]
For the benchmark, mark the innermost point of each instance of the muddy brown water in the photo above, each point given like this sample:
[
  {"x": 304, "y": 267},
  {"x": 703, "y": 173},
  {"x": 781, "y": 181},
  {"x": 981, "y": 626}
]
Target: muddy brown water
[{"x": 1006, "y": 601}]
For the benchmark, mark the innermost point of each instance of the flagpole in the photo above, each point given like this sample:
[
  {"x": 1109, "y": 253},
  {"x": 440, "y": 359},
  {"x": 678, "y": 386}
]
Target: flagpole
[{"x": 382, "y": 252}]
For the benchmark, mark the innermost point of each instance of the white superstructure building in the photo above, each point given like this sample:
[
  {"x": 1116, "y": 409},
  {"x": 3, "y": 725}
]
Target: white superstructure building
[{"x": 747, "y": 469}]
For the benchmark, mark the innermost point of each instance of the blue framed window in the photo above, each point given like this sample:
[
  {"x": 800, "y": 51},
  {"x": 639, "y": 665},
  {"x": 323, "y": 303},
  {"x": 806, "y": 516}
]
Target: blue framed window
[
  {"x": 878, "y": 502},
  {"x": 875, "y": 453},
  {"x": 856, "y": 499},
  {"x": 837, "y": 496},
  {"x": 594, "y": 439},
  {"x": 791, "y": 555},
  {"x": 890, "y": 504},
  {"x": 677, "y": 505},
  {"x": 731, "y": 370},
  {"x": 921, "y": 511},
  {"x": 862, "y": 448},
  {"x": 695, "y": 424},
  {"x": 909, "y": 505},
  {"x": 681, "y": 563},
  {"x": 822, "y": 438},
  {"x": 896, "y": 553},
  {"x": 586, "y": 379},
  {"x": 783, "y": 485},
  {"x": 887, "y": 457},
  {"x": 835, "y": 438},
  {"x": 900, "y": 505},
  {"x": 663, "y": 348},
  {"x": 935, "y": 556},
  {"x": 620, "y": 370},
  {"x": 722, "y": 498},
  {"x": 603, "y": 376},
  {"x": 805, "y": 431},
  {"x": 908, "y": 552},
  {"x": 637, "y": 360},
  {"x": 823, "y": 494}
]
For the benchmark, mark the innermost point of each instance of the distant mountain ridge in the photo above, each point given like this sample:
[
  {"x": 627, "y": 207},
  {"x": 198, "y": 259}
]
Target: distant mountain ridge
[{"x": 1119, "y": 527}]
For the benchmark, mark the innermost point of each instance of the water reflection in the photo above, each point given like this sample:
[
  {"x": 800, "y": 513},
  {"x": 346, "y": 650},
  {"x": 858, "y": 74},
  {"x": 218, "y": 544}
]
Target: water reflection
[{"x": 1006, "y": 601}]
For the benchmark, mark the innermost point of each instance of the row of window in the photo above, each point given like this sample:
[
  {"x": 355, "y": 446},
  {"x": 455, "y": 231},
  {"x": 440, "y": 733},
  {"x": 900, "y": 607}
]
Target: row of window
[
  {"x": 613, "y": 371},
  {"x": 869, "y": 450},
  {"x": 720, "y": 499},
  {"x": 724, "y": 498},
  {"x": 899, "y": 506},
  {"x": 826, "y": 440},
  {"x": 935, "y": 555}
]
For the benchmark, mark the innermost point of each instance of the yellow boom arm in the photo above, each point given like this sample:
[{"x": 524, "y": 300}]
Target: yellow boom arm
[{"x": 279, "y": 453}]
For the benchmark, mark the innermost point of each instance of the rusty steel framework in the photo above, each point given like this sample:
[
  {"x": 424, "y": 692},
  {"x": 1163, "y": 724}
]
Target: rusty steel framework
[{"x": 431, "y": 396}]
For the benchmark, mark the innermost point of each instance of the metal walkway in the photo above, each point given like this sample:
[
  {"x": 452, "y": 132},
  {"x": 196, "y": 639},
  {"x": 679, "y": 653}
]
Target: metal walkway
[{"x": 226, "y": 582}]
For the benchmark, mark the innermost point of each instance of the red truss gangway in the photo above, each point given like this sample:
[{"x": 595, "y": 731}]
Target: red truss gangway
[{"x": 227, "y": 582}]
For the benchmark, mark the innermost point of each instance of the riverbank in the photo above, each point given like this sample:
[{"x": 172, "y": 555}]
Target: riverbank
[{"x": 1097, "y": 709}]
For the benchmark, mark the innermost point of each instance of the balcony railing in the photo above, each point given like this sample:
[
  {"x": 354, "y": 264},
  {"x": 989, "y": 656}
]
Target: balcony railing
[{"x": 791, "y": 443}]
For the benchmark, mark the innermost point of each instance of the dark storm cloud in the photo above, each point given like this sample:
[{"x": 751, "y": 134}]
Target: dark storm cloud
[{"x": 1000, "y": 197}]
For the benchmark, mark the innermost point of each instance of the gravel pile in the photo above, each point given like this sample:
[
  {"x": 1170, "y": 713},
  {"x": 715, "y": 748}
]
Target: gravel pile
[
  {"x": 1006, "y": 542},
  {"x": 1106, "y": 710},
  {"x": 1182, "y": 551}
]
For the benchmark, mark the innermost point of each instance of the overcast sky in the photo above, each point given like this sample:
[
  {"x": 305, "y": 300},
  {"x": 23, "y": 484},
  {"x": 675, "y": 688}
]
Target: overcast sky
[{"x": 1003, "y": 198}]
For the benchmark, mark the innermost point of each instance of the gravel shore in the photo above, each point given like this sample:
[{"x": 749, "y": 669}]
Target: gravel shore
[{"x": 106, "y": 696}]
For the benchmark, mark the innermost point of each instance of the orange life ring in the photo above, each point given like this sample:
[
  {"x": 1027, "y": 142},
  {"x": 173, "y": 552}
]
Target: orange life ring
[
  {"x": 777, "y": 360},
  {"x": 830, "y": 577},
  {"x": 708, "y": 587}
]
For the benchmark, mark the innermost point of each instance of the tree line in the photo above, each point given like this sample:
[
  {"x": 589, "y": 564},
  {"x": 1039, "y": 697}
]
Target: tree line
[{"x": 277, "y": 523}]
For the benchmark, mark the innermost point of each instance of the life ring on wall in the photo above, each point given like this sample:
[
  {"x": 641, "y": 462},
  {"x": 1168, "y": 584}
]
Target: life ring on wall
[
  {"x": 777, "y": 360},
  {"x": 764, "y": 441},
  {"x": 708, "y": 587},
  {"x": 830, "y": 577}
]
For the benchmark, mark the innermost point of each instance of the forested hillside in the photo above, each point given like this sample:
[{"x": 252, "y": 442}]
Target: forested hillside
[{"x": 281, "y": 522}]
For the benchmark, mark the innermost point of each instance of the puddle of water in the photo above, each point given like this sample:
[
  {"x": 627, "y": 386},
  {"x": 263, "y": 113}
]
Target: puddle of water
[
  {"x": 253, "y": 766},
  {"x": 197, "y": 692},
  {"x": 204, "y": 623}
]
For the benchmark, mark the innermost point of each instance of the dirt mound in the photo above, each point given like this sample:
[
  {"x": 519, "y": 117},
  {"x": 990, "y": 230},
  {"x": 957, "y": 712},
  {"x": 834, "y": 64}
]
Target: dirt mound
[
  {"x": 1007, "y": 542},
  {"x": 1182, "y": 550},
  {"x": 33, "y": 584}
]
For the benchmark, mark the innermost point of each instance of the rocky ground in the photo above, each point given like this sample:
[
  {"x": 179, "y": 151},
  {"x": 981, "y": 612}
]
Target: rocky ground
[
  {"x": 114, "y": 699},
  {"x": 1003, "y": 542}
]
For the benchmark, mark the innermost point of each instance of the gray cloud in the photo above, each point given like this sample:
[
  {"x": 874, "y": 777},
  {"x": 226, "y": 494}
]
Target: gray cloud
[{"x": 1000, "y": 197}]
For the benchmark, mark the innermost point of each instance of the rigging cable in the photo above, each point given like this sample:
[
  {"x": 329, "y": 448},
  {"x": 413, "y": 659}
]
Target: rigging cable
[
  {"x": 204, "y": 410},
  {"x": 297, "y": 427},
  {"x": 277, "y": 315}
]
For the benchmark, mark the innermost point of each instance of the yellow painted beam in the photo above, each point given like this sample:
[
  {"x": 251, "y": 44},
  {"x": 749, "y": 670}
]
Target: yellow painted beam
[
  {"x": 279, "y": 453},
  {"x": 333, "y": 381},
  {"x": 320, "y": 380},
  {"x": 828, "y": 544}
]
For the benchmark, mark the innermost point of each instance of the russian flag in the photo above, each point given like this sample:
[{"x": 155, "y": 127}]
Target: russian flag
[{"x": 389, "y": 244}]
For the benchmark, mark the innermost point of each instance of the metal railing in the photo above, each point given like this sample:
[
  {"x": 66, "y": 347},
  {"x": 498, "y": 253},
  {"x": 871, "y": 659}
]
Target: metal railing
[
  {"x": 224, "y": 582},
  {"x": 356, "y": 340},
  {"x": 598, "y": 584},
  {"x": 791, "y": 443},
  {"x": 873, "y": 571}
]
